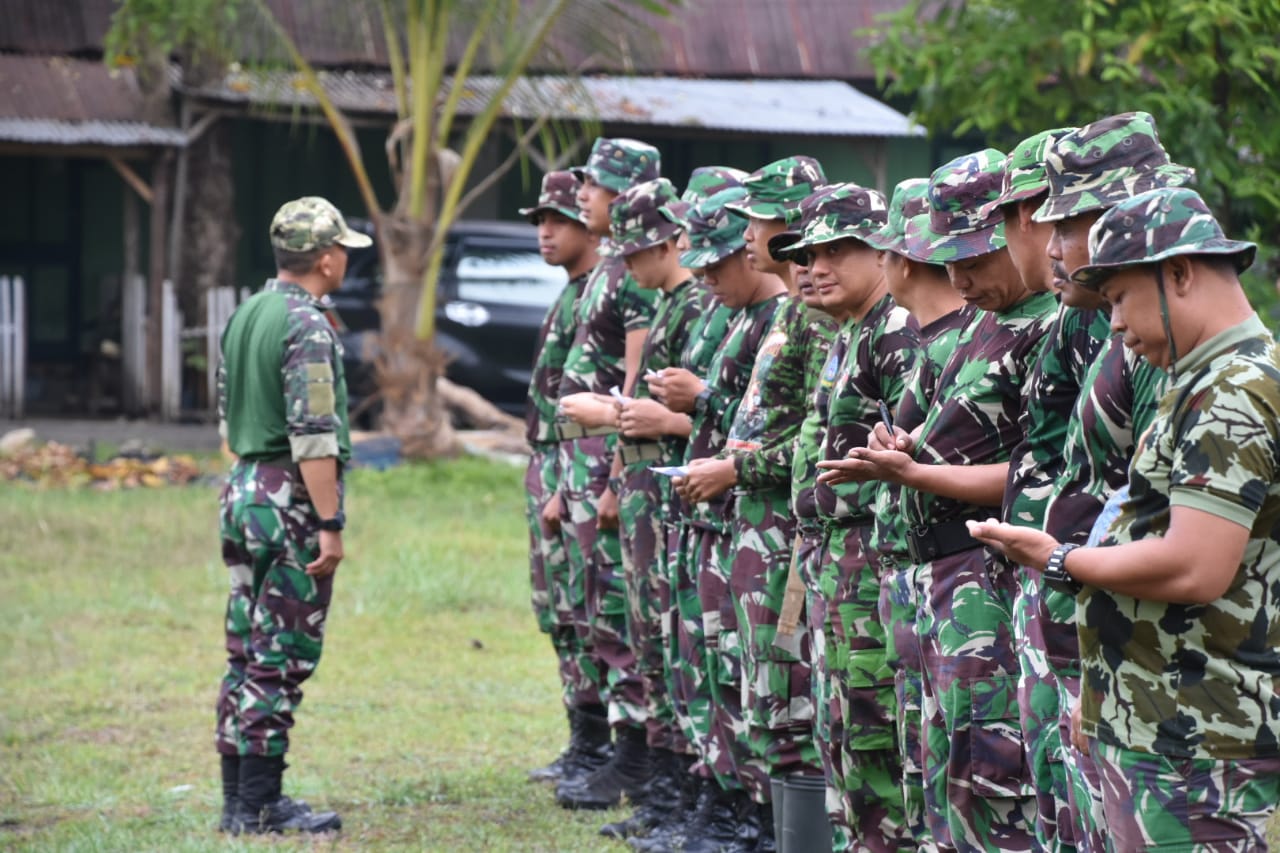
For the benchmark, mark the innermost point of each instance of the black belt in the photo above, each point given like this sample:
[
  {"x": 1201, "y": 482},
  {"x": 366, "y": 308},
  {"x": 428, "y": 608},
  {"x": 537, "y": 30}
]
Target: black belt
[{"x": 942, "y": 539}]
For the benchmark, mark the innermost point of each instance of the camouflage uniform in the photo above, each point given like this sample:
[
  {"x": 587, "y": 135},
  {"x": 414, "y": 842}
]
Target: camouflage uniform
[
  {"x": 645, "y": 216},
  {"x": 548, "y": 562},
  {"x": 1088, "y": 169},
  {"x": 977, "y": 791},
  {"x": 611, "y": 305},
  {"x": 1179, "y": 699},
  {"x": 282, "y": 399}
]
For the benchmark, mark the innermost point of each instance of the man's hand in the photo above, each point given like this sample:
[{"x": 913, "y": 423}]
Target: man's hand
[
  {"x": 590, "y": 410},
  {"x": 880, "y": 439},
  {"x": 607, "y": 511},
  {"x": 676, "y": 388},
  {"x": 1078, "y": 740},
  {"x": 707, "y": 480},
  {"x": 864, "y": 464},
  {"x": 1024, "y": 545},
  {"x": 644, "y": 419},
  {"x": 551, "y": 513},
  {"x": 330, "y": 555}
]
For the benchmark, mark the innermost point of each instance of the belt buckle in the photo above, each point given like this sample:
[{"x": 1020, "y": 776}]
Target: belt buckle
[{"x": 915, "y": 545}]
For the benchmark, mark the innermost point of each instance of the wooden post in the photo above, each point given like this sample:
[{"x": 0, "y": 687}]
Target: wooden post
[
  {"x": 133, "y": 401},
  {"x": 155, "y": 278},
  {"x": 170, "y": 353}
]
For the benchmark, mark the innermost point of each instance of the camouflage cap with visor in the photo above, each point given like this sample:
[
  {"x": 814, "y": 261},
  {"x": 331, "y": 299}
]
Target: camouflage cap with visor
[
  {"x": 1153, "y": 226},
  {"x": 706, "y": 181},
  {"x": 1103, "y": 163},
  {"x": 962, "y": 218},
  {"x": 618, "y": 164},
  {"x": 776, "y": 190},
  {"x": 559, "y": 195},
  {"x": 714, "y": 232},
  {"x": 309, "y": 223},
  {"x": 644, "y": 216},
  {"x": 1024, "y": 169}
]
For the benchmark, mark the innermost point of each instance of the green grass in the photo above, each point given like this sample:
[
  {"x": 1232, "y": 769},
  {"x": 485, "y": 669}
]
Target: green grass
[{"x": 436, "y": 692}]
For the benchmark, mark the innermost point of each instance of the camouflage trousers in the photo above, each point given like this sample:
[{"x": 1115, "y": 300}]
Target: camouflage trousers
[
  {"x": 977, "y": 792},
  {"x": 864, "y": 775},
  {"x": 1180, "y": 805},
  {"x": 1037, "y": 635},
  {"x": 275, "y": 611},
  {"x": 598, "y": 589},
  {"x": 1084, "y": 786},
  {"x": 643, "y": 560},
  {"x": 549, "y": 578},
  {"x": 669, "y": 626},
  {"x": 777, "y": 694},
  {"x": 901, "y": 598}
]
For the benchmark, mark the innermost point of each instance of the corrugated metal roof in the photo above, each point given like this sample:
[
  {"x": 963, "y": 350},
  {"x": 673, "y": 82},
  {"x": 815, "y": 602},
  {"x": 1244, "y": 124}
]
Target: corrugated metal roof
[
  {"x": 807, "y": 107},
  {"x": 74, "y": 102}
]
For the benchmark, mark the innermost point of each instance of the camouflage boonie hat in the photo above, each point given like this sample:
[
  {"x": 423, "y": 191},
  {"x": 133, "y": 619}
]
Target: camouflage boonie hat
[
  {"x": 559, "y": 194},
  {"x": 311, "y": 222},
  {"x": 961, "y": 215},
  {"x": 706, "y": 181},
  {"x": 618, "y": 164},
  {"x": 1153, "y": 226},
  {"x": 1024, "y": 171},
  {"x": 910, "y": 200},
  {"x": 644, "y": 216},
  {"x": 776, "y": 190},
  {"x": 838, "y": 211},
  {"x": 714, "y": 232},
  {"x": 1105, "y": 162}
]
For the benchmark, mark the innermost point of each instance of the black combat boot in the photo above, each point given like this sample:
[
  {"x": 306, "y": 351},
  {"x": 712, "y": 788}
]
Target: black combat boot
[
  {"x": 660, "y": 797},
  {"x": 590, "y": 744},
  {"x": 717, "y": 832},
  {"x": 261, "y": 808},
  {"x": 751, "y": 825},
  {"x": 230, "y": 790},
  {"x": 625, "y": 773},
  {"x": 555, "y": 770},
  {"x": 767, "y": 833},
  {"x": 695, "y": 803}
]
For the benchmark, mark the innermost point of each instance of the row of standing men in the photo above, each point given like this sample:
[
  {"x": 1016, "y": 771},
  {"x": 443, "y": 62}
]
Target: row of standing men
[{"x": 768, "y": 418}]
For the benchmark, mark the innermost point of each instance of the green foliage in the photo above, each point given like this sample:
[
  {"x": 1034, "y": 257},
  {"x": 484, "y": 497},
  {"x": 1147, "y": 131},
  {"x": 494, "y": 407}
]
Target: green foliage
[
  {"x": 1208, "y": 70},
  {"x": 197, "y": 32}
]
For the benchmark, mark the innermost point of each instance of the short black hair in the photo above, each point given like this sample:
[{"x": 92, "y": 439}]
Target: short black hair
[{"x": 298, "y": 263}]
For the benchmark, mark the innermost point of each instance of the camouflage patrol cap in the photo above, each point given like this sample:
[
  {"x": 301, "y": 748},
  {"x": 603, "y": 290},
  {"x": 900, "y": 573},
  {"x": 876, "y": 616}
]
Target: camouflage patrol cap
[
  {"x": 961, "y": 215},
  {"x": 644, "y": 216},
  {"x": 311, "y": 222},
  {"x": 706, "y": 181},
  {"x": 910, "y": 200},
  {"x": 714, "y": 232},
  {"x": 776, "y": 190},
  {"x": 1103, "y": 163},
  {"x": 617, "y": 164},
  {"x": 1152, "y": 226},
  {"x": 1024, "y": 171},
  {"x": 559, "y": 194}
]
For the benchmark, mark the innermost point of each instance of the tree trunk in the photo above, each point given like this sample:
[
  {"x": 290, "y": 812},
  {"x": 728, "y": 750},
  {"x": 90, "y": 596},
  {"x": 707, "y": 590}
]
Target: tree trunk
[{"x": 210, "y": 231}]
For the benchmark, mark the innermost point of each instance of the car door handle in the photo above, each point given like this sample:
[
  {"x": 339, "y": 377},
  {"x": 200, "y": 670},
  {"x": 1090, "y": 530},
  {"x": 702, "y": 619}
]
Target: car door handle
[{"x": 467, "y": 314}]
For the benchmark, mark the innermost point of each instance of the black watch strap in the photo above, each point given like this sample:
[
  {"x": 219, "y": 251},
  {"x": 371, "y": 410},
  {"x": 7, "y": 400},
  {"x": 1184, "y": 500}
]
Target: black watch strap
[
  {"x": 335, "y": 524},
  {"x": 1055, "y": 571}
]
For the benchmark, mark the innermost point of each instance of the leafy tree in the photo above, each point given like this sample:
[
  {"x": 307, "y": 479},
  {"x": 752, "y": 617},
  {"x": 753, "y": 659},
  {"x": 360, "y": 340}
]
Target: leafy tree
[{"x": 1208, "y": 70}]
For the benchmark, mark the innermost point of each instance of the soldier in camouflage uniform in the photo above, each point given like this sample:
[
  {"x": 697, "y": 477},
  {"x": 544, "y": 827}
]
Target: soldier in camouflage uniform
[
  {"x": 647, "y": 227},
  {"x": 1176, "y": 617},
  {"x": 939, "y": 312},
  {"x": 869, "y": 364},
  {"x": 1074, "y": 164},
  {"x": 282, "y": 409},
  {"x": 564, "y": 241},
  {"x": 612, "y": 319},
  {"x": 953, "y": 468},
  {"x": 773, "y": 193},
  {"x": 716, "y": 249}
]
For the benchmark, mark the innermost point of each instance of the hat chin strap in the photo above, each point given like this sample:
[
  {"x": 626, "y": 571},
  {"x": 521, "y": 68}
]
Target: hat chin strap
[{"x": 1165, "y": 321}]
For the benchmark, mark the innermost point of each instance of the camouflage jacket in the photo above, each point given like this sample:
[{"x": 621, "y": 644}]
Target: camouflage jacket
[
  {"x": 727, "y": 377},
  {"x": 1069, "y": 349},
  {"x": 1198, "y": 681},
  {"x": 1122, "y": 390},
  {"x": 808, "y": 449},
  {"x": 611, "y": 305},
  {"x": 882, "y": 352},
  {"x": 974, "y": 420},
  {"x": 762, "y": 438},
  {"x": 887, "y": 537},
  {"x": 553, "y": 348}
]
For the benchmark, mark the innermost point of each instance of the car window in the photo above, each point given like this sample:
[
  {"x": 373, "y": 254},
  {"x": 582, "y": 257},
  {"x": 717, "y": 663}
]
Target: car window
[{"x": 508, "y": 277}]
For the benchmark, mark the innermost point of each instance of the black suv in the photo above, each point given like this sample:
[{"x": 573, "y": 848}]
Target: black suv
[{"x": 493, "y": 293}]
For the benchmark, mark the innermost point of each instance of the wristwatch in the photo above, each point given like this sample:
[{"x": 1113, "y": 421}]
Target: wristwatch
[
  {"x": 703, "y": 399},
  {"x": 1055, "y": 571},
  {"x": 335, "y": 524}
]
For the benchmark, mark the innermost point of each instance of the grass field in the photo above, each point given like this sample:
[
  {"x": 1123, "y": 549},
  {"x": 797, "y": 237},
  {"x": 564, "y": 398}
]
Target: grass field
[{"x": 435, "y": 694}]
